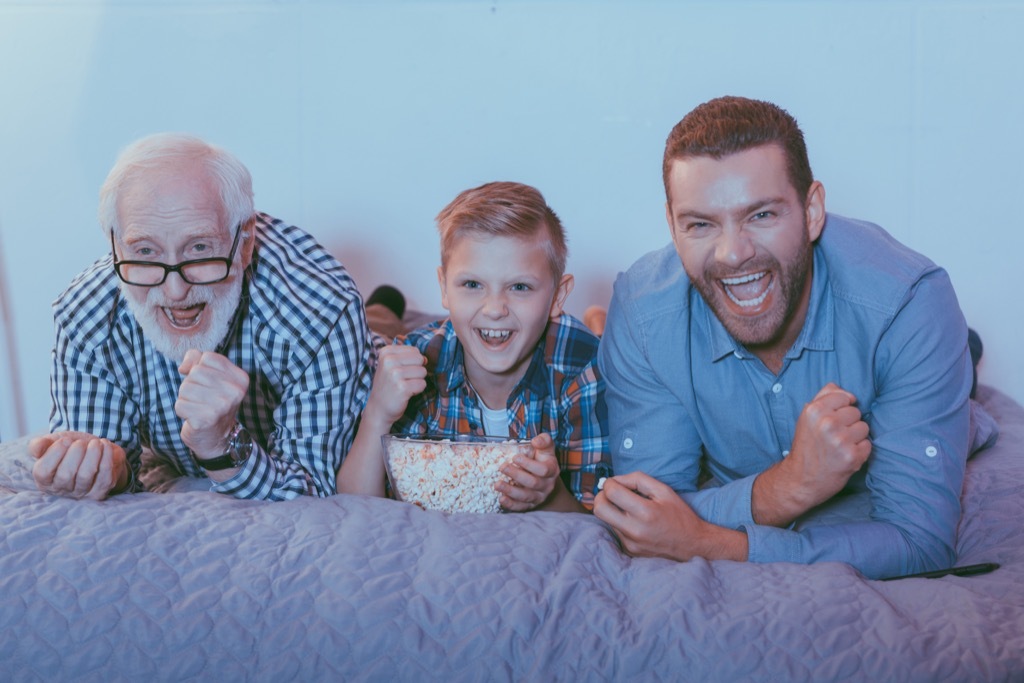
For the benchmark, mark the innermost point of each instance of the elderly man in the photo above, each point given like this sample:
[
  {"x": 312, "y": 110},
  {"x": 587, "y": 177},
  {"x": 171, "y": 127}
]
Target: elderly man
[
  {"x": 789, "y": 355},
  {"x": 226, "y": 342}
]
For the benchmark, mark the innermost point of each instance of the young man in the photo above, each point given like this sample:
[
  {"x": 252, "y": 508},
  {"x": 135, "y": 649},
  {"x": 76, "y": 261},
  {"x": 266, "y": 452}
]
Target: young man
[
  {"x": 788, "y": 353},
  {"x": 221, "y": 339},
  {"x": 507, "y": 362}
]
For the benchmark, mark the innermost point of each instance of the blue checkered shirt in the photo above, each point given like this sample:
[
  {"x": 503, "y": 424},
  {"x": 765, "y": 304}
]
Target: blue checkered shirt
[{"x": 300, "y": 333}]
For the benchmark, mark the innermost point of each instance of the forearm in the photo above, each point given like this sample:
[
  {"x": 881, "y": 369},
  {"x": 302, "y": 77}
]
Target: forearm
[
  {"x": 561, "y": 500},
  {"x": 774, "y": 501},
  {"x": 876, "y": 549},
  {"x": 362, "y": 469},
  {"x": 726, "y": 505},
  {"x": 719, "y": 543}
]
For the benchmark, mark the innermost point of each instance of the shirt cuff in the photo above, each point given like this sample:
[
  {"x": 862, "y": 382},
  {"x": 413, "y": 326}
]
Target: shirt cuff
[
  {"x": 771, "y": 544},
  {"x": 256, "y": 468},
  {"x": 727, "y": 505}
]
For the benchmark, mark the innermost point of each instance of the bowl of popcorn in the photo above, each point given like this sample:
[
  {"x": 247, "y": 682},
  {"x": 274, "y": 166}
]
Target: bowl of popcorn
[{"x": 449, "y": 473}]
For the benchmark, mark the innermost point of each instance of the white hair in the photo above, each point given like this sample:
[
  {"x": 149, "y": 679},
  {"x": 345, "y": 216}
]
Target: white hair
[{"x": 155, "y": 151}]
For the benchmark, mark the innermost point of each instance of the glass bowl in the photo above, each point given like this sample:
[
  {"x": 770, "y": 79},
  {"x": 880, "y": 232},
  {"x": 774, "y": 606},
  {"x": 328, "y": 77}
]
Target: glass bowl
[{"x": 449, "y": 473}]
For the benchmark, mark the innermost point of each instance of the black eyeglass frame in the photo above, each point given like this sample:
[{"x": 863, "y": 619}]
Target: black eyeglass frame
[{"x": 177, "y": 268}]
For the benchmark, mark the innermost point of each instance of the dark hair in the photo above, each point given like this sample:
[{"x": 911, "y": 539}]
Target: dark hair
[
  {"x": 502, "y": 209},
  {"x": 727, "y": 125}
]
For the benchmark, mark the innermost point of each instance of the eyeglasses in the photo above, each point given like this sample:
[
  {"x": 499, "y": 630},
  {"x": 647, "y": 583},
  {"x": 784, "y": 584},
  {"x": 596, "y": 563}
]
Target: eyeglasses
[{"x": 202, "y": 271}]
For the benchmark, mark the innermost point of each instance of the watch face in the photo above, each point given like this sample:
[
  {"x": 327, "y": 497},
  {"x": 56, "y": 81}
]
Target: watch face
[{"x": 240, "y": 446}]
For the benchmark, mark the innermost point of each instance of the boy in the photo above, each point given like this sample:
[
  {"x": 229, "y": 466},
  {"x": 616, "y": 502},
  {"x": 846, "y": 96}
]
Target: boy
[{"x": 507, "y": 362}]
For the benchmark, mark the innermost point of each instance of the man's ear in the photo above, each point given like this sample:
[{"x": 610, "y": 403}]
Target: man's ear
[
  {"x": 561, "y": 294},
  {"x": 814, "y": 211},
  {"x": 444, "y": 287},
  {"x": 248, "y": 240}
]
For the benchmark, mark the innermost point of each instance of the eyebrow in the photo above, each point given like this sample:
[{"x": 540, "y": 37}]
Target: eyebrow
[
  {"x": 463, "y": 275},
  {"x": 753, "y": 207}
]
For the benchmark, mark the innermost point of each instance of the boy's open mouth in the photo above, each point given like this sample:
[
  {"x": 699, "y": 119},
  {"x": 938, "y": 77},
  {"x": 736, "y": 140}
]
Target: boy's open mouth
[
  {"x": 184, "y": 318},
  {"x": 494, "y": 337}
]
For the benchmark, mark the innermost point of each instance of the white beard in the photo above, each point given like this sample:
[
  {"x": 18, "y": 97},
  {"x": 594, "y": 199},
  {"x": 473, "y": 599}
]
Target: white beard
[{"x": 216, "y": 318}]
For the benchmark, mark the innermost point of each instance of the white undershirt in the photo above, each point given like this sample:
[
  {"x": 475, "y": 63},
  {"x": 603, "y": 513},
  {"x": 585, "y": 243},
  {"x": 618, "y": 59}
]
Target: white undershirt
[{"x": 495, "y": 421}]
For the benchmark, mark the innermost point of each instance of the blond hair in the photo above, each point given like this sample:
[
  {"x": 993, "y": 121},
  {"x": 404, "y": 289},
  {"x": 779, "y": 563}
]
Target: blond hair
[{"x": 502, "y": 209}]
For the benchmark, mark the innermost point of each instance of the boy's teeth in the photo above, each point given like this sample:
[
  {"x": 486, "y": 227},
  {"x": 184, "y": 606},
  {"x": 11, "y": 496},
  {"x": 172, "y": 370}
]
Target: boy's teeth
[{"x": 495, "y": 335}]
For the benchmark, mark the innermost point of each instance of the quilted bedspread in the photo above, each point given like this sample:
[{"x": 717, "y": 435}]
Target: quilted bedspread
[{"x": 184, "y": 584}]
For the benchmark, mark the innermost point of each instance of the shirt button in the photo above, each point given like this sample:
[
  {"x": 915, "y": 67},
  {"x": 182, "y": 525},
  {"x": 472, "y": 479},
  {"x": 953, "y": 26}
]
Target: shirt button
[
  {"x": 931, "y": 451},
  {"x": 776, "y": 388},
  {"x": 785, "y": 453},
  {"x": 737, "y": 354},
  {"x": 627, "y": 443}
]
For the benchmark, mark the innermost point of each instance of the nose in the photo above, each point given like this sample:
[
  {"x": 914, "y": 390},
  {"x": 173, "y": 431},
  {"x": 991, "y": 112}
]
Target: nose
[
  {"x": 496, "y": 305},
  {"x": 734, "y": 247},
  {"x": 174, "y": 287}
]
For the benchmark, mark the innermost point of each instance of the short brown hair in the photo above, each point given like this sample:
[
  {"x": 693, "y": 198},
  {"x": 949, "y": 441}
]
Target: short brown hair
[
  {"x": 727, "y": 125},
  {"x": 502, "y": 209}
]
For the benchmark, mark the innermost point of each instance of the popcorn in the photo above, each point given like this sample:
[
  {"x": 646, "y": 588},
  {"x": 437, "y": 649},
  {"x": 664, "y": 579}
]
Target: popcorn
[{"x": 449, "y": 475}]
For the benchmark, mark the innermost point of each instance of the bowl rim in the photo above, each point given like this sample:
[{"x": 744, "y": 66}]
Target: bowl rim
[{"x": 455, "y": 439}]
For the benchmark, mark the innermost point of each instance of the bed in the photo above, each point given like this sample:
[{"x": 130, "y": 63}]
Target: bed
[{"x": 182, "y": 584}]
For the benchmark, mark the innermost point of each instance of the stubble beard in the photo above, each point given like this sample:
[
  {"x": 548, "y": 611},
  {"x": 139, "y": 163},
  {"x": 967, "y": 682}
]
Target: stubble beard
[{"x": 768, "y": 327}]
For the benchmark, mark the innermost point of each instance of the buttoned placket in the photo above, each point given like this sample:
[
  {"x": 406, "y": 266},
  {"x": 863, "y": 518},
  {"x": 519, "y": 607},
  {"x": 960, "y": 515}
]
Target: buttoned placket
[{"x": 773, "y": 388}]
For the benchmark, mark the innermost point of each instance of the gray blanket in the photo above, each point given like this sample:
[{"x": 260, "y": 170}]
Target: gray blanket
[{"x": 184, "y": 584}]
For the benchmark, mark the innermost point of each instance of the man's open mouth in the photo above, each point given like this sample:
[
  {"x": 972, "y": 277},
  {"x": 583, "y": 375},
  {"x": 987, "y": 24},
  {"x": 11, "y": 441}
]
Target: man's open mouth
[
  {"x": 184, "y": 318},
  {"x": 748, "y": 291}
]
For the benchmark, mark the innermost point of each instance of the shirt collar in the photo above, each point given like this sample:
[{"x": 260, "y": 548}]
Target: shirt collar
[
  {"x": 238, "y": 320},
  {"x": 450, "y": 367},
  {"x": 817, "y": 333}
]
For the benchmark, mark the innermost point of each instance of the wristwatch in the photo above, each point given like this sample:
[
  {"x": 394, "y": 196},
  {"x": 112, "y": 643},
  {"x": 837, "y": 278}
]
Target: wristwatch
[{"x": 239, "y": 448}]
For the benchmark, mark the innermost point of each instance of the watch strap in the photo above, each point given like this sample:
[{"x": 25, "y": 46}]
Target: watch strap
[
  {"x": 221, "y": 462},
  {"x": 239, "y": 448}
]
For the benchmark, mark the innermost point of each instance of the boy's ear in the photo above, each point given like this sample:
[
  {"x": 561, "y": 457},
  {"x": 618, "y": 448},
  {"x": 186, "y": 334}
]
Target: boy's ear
[
  {"x": 561, "y": 294},
  {"x": 444, "y": 287}
]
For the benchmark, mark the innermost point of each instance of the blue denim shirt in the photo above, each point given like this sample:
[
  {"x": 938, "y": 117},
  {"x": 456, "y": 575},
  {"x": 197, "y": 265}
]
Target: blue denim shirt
[{"x": 883, "y": 323}]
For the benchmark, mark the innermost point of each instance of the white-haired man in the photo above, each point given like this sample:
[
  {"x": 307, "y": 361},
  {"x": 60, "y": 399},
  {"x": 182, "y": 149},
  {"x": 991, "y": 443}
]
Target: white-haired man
[{"x": 223, "y": 340}]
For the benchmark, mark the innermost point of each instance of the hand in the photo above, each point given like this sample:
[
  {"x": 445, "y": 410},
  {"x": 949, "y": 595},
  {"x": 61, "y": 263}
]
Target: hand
[
  {"x": 533, "y": 478},
  {"x": 831, "y": 443},
  {"x": 401, "y": 374},
  {"x": 208, "y": 401},
  {"x": 78, "y": 465},
  {"x": 651, "y": 520}
]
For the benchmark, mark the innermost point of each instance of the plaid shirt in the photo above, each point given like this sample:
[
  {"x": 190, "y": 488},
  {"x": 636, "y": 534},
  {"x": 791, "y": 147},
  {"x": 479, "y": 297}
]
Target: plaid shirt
[
  {"x": 561, "y": 393},
  {"x": 300, "y": 334}
]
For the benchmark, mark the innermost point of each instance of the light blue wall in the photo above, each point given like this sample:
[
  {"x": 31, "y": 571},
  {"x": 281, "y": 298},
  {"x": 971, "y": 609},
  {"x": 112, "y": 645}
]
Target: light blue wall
[{"x": 360, "y": 120}]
